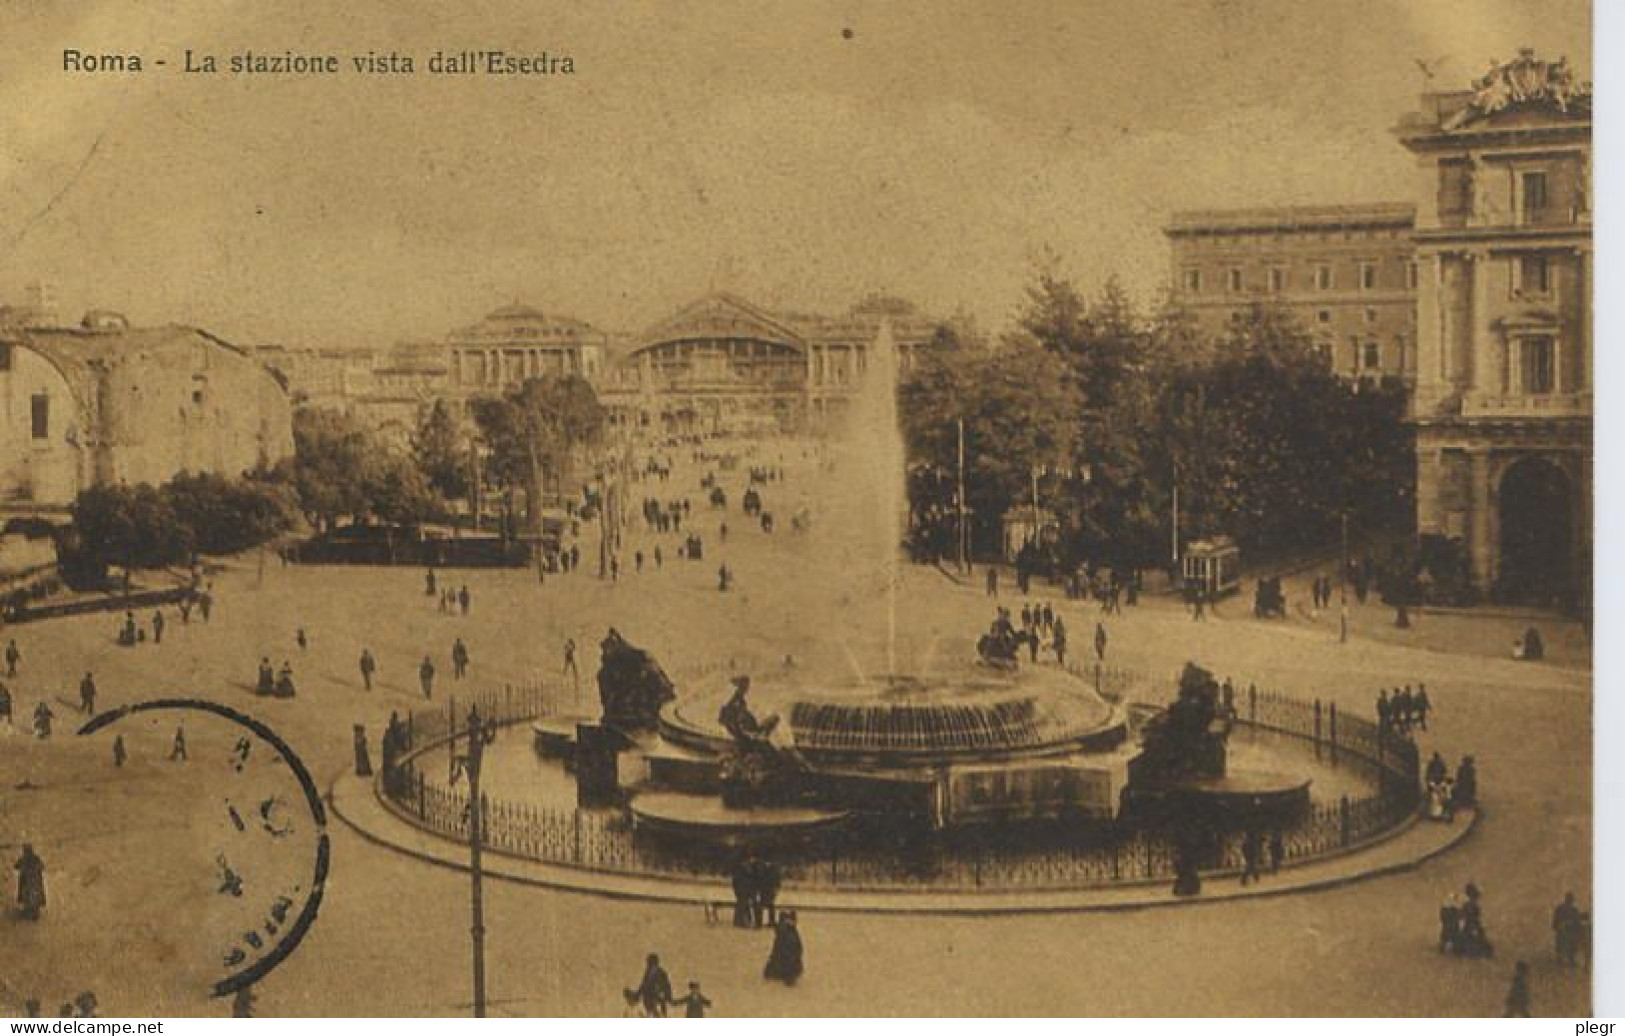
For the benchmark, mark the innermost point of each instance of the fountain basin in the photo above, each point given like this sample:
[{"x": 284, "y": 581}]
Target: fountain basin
[{"x": 903, "y": 722}]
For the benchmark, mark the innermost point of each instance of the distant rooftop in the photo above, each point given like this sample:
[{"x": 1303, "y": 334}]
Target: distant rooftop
[{"x": 1292, "y": 217}]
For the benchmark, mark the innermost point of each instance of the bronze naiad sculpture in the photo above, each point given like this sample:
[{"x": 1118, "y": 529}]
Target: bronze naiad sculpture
[
  {"x": 755, "y": 772},
  {"x": 1187, "y": 740},
  {"x": 631, "y": 685}
]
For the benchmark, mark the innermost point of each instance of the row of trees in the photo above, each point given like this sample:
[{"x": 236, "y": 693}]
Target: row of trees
[
  {"x": 1109, "y": 410},
  {"x": 147, "y": 526},
  {"x": 522, "y": 440},
  {"x": 340, "y": 470}
]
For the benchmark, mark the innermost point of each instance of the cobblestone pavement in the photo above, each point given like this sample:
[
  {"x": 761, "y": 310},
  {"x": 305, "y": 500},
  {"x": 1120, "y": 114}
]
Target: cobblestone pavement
[{"x": 393, "y": 934}]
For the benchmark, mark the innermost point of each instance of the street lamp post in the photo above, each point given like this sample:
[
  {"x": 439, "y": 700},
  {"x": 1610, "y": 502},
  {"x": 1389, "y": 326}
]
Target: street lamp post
[
  {"x": 480, "y": 733},
  {"x": 1343, "y": 586}
]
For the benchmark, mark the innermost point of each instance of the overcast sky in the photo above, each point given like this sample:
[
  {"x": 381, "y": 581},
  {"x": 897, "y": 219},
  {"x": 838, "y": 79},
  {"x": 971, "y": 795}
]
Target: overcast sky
[{"x": 939, "y": 153}]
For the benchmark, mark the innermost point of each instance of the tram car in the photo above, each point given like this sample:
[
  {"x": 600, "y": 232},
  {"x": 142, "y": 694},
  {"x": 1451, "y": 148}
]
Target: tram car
[{"x": 1213, "y": 565}]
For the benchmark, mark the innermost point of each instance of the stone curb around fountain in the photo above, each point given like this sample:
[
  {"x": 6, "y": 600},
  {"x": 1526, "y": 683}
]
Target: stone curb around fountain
[{"x": 356, "y": 801}]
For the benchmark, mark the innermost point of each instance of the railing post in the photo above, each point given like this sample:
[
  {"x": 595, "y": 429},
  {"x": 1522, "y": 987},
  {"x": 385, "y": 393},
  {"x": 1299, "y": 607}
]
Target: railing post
[
  {"x": 577, "y": 816},
  {"x": 1332, "y": 707},
  {"x": 1252, "y": 704},
  {"x": 1343, "y": 818},
  {"x": 422, "y": 804},
  {"x": 1317, "y": 728}
]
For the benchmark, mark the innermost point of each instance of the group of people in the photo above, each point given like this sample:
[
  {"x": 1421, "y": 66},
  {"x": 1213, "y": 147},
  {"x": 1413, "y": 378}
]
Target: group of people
[
  {"x": 1254, "y": 848},
  {"x": 652, "y": 996},
  {"x": 1461, "y": 924},
  {"x": 665, "y": 516},
  {"x": 1404, "y": 709},
  {"x": 756, "y": 891},
  {"x": 1447, "y": 794},
  {"x": 451, "y": 601},
  {"x": 1320, "y": 592},
  {"x": 275, "y": 683}
]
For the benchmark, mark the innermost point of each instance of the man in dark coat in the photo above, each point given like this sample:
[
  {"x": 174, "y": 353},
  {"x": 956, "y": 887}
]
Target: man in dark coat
[
  {"x": 1566, "y": 929},
  {"x": 784, "y": 961},
  {"x": 30, "y": 884},
  {"x": 654, "y": 992},
  {"x": 369, "y": 666}
]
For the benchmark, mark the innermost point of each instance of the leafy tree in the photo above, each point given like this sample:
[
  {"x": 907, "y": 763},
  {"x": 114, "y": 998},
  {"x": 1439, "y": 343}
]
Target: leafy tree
[
  {"x": 340, "y": 469},
  {"x": 1019, "y": 410},
  {"x": 439, "y": 449},
  {"x": 532, "y": 431},
  {"x": 225, "y": 515},
  {"x": 132, "y": 527}
]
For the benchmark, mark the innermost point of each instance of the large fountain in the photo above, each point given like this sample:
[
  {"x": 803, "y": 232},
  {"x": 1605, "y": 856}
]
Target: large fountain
[{"x": 866, "y": 715}]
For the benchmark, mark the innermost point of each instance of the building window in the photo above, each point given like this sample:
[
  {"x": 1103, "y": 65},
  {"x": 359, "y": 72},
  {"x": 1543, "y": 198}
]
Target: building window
[
  {"x": 1372, "y": 359},
  {"x": 1323, "y": 278},
  {"x": 1193, "y": 281},
  {"x": 1534, "y": 196},
  {"x": 40, "y": 415},
  {"x": 1537, "y": 365},
  {"x": 1277, "y": 279},
  {"x": 1324, "y": 316},
  {"x": 1534, "y": 275},
  {"x": 1368, "y": 276},
  {"x": 1233, "y": 278},
  {"x": 1371, "y": 316}
]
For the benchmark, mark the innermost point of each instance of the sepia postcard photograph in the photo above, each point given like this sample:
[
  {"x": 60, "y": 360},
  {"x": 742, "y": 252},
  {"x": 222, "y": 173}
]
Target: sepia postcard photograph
[{"x": 786, "y": 509}]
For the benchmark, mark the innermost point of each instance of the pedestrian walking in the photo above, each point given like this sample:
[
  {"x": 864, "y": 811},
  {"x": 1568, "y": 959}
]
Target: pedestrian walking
[
  {"x": 426, "y": 676},
  {"x": 992, "y": 581},
  {"x": 119, "y": 754},
  {"x": 660, "y": 559},
  {"x": 87, "y": 694},
  {"x": 463, "y": 600},
  {"x": 1517, "y": 1005},
  {"x": 459, "y": 659},
  {"x": 369, "y": 665},
  {"x": 695, "y": 1003},
  {"x": 570, "y": 661},
  {"x": 1252, "y": 845},
  {"x": 177, "y": 749},
  {"x": 13, "y": 656},
  {"x": 1420, "y": 706},
  {"x": 1450, "y": 924},
  {"x": 1566, "y": 930},
  {"x": 205, "y": 603},
  {"x": 157, "y": 627},
  {"x": 42, "y": 720},
  {"x": 300, "y": 638},
  {"x": 1058, "y": 640},
  {"x": 30, "y": 884},
  {"x": 5, "y": 705},
  {"x": 654, "y": 990},
  {"x": 785, "y": 960},
  {"x": 1100, "y": 642},
  {"x": 1277, "y": 851}
]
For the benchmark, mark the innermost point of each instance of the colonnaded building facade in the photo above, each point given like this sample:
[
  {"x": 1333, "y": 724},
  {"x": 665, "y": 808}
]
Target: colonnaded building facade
[
  {"x": 106, "y": 403},
  {"x": 1503, "y": 391},
  {"x": 1476, "y": 292},
  {"x": 725, "y": 365}
]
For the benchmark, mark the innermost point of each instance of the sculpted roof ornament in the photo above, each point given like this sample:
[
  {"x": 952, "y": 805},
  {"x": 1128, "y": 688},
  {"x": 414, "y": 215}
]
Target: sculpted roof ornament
[{"x": 1524, "y": 80}]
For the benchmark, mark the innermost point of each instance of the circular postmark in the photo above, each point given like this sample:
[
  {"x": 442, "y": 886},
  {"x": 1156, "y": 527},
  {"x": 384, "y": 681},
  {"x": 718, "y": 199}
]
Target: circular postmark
[{"x": 269, "y": 846}]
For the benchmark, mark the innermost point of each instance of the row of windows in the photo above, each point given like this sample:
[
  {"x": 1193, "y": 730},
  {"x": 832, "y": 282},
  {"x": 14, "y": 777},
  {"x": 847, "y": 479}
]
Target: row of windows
[{"x": 1278, "y": 278}]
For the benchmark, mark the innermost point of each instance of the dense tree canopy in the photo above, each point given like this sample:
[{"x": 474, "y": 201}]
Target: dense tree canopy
[
  {"x": 1111, "y": 411},
  {"x": 532, "y": 431},
  {"x": 340, "y": 469}
]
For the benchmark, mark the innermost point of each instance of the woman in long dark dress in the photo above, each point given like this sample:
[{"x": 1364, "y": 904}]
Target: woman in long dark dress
[
  {"x": 30, "y": 884},
  {"x": 784, "y": 961}
]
